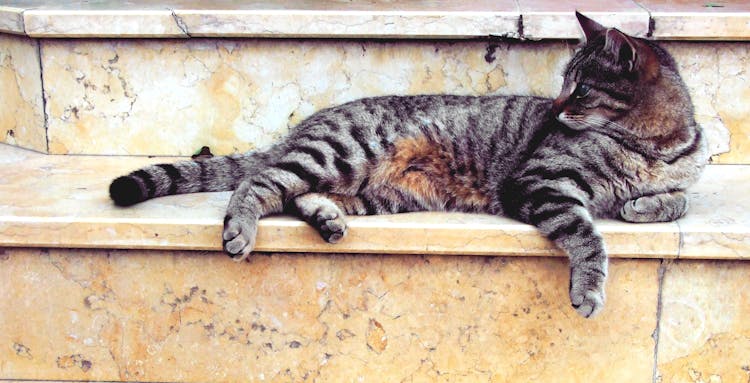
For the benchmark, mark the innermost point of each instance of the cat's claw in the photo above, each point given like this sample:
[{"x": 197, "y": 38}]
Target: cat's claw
[
  {"x": 587, "y": 293},
  {"x": 239, "y": 238}
]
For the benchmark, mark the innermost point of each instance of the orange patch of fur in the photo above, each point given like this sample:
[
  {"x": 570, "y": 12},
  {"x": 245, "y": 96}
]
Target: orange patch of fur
[{"x": 420, "y": 167}]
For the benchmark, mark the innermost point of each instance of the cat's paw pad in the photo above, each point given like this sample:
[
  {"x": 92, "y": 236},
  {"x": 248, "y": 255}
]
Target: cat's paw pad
[
  {"x": 330, "y": 225},
  {"x": 587, "y": 294},
  {"x": 238, "y": 237}
]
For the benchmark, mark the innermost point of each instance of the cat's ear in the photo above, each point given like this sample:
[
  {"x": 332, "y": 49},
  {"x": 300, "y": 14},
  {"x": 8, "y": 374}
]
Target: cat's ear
[
  {"x": 622, "y": 47},
  {"x": 591, "y": 29},
  {"x": 634, "y": 54}
]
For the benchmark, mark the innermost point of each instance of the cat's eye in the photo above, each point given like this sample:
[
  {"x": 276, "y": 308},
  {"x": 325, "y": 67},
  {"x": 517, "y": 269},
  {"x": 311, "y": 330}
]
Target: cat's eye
[{"x": 582, "y": 91}]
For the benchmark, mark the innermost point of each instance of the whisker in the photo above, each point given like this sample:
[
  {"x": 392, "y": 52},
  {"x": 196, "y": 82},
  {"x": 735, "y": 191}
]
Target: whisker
[{"x": 603, "y": 122}]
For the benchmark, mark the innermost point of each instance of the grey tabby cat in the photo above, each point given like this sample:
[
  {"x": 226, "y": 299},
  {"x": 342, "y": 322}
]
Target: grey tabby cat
[{"x": 619, "y": 141}]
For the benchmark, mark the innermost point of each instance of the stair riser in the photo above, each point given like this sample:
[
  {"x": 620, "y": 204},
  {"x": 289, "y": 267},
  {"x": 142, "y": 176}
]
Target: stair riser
[
  {"x": 196, "y": 317},
  {"x": 21, "y": 105},
  {"x": 191, "y": 316},
  {"x": 170, "y": 97}
]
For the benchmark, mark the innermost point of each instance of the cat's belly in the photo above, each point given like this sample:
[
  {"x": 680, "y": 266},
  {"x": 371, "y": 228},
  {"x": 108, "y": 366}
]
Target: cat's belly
[{"x": 430, "y": 175}]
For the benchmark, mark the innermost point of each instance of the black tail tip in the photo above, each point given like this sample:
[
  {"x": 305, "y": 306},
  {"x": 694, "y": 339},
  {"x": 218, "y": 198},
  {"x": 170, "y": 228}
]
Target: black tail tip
[{"x": 125, "y": 191}]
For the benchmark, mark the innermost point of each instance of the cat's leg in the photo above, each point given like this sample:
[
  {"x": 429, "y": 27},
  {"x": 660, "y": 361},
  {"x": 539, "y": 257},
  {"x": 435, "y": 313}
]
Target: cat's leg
[
  {"x": 573, "y": 231},
  {"x": 323, "y": 214},
  {"x": 562, "y": 217},
  {"x": 662, "y": 207},
  {"x": 272, "y": 188},
  {"x": 326, "y": 211},
  {"x": 263, "y": 194}
]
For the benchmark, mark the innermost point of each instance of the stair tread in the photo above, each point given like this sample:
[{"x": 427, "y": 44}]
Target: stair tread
[
  {"x": 62, "y": 201},
  {"x": 541, "y": 19}
]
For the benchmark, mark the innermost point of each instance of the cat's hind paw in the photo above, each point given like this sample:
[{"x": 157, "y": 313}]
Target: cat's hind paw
[
  {"x": 323, "y": 214},
  {"x": 239, "y": 237},
  {"x": 331, "y": 225}
]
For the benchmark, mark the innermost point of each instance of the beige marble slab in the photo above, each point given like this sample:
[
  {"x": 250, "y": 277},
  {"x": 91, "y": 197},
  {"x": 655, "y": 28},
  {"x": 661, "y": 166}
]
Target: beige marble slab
[
  {"x": 172, "y": 97},
  {"x": 11, "y": 20},
  {"x": 21, "y": 105},
  {"x": 198, "y": 317},
  {"x": 720, "y": 216},
  {"x": 542, "y": 19},
  {"x": 699, "y": 20},
  {"x": 704, "y": 329},
  {"x": 717, "y": 76},
  {"x": 379, "y": 19},
  {"x": 298, "y": 18},
  {"x": 545, "y": 19},
  {"x": 102, "y": 23}
]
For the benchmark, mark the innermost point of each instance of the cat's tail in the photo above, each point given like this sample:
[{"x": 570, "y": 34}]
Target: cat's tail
[{"x": 222, "y": 173}]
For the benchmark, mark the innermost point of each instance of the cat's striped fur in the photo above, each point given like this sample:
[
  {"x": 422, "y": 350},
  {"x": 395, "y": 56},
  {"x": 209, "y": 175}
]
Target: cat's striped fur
[{"x": 619, "y": 141}]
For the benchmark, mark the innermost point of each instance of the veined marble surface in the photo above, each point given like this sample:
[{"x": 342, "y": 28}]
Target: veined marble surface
[
  {"x": 172, "y": 97},
  {"x": 546, "y": 19},
  {"x": 105, "y": 23},
  {"x": 62, "y": 201},
  {"x": 21, "y": 103},
  {"x": 704, "y": 329},
  {"x": 200, "y": 317},
  {"x": 721, "y": 226},
  {"x": 531, "y": 19},
  {"x": 11, "y": 19},
  {"x": 699, "y": 20},
  {"x": 380, "y": 19}
]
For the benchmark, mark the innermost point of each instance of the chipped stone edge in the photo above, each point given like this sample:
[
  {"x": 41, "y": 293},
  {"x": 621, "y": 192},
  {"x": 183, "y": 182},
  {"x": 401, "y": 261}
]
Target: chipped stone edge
[{"x": 11, "y": 20}]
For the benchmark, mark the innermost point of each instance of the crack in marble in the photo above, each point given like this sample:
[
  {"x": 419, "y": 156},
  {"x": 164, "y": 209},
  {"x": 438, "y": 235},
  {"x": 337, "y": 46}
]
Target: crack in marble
[
  {"x": 661, "y": 272},
  {"x": 179, "y": 22}
]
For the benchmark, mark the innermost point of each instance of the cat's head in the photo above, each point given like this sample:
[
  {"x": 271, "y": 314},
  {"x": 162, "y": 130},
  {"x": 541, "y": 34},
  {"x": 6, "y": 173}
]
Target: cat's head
[{"x": 621, "y": 85}]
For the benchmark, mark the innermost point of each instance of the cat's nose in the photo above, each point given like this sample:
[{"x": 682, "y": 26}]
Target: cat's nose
[{"x": 557, "y": 106}]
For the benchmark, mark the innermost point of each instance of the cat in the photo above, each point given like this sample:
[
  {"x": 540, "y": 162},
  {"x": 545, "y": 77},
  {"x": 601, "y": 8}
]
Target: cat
[{"x": 620, "y": 141}]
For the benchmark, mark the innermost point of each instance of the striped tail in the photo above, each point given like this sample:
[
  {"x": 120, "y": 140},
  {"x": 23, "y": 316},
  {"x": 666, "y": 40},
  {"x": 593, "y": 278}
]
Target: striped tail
[{"x": 221, "y": 173}]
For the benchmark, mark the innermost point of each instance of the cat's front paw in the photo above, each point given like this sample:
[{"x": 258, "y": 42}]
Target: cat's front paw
[
  {"x": 663, "y": 207},
  {"x": 239, "y": 237},
  {"x": 587, "y": 291}
]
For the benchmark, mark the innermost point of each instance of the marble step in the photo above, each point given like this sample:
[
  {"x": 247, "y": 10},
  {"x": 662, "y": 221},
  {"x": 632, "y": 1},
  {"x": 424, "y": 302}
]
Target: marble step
[
  {"x": 528, "y": 19},
  {"x": 62, "y": 201},
  {"x": 181, "y": 316},
  {"x": 430, "y": 297},
  {"x": 130, "y": 88},
  {"x": 171, "y": 97}
]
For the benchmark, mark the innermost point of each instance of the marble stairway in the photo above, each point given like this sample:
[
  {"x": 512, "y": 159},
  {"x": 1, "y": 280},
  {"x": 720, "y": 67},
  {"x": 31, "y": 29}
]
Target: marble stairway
[{"x": 91, "y": 292}]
